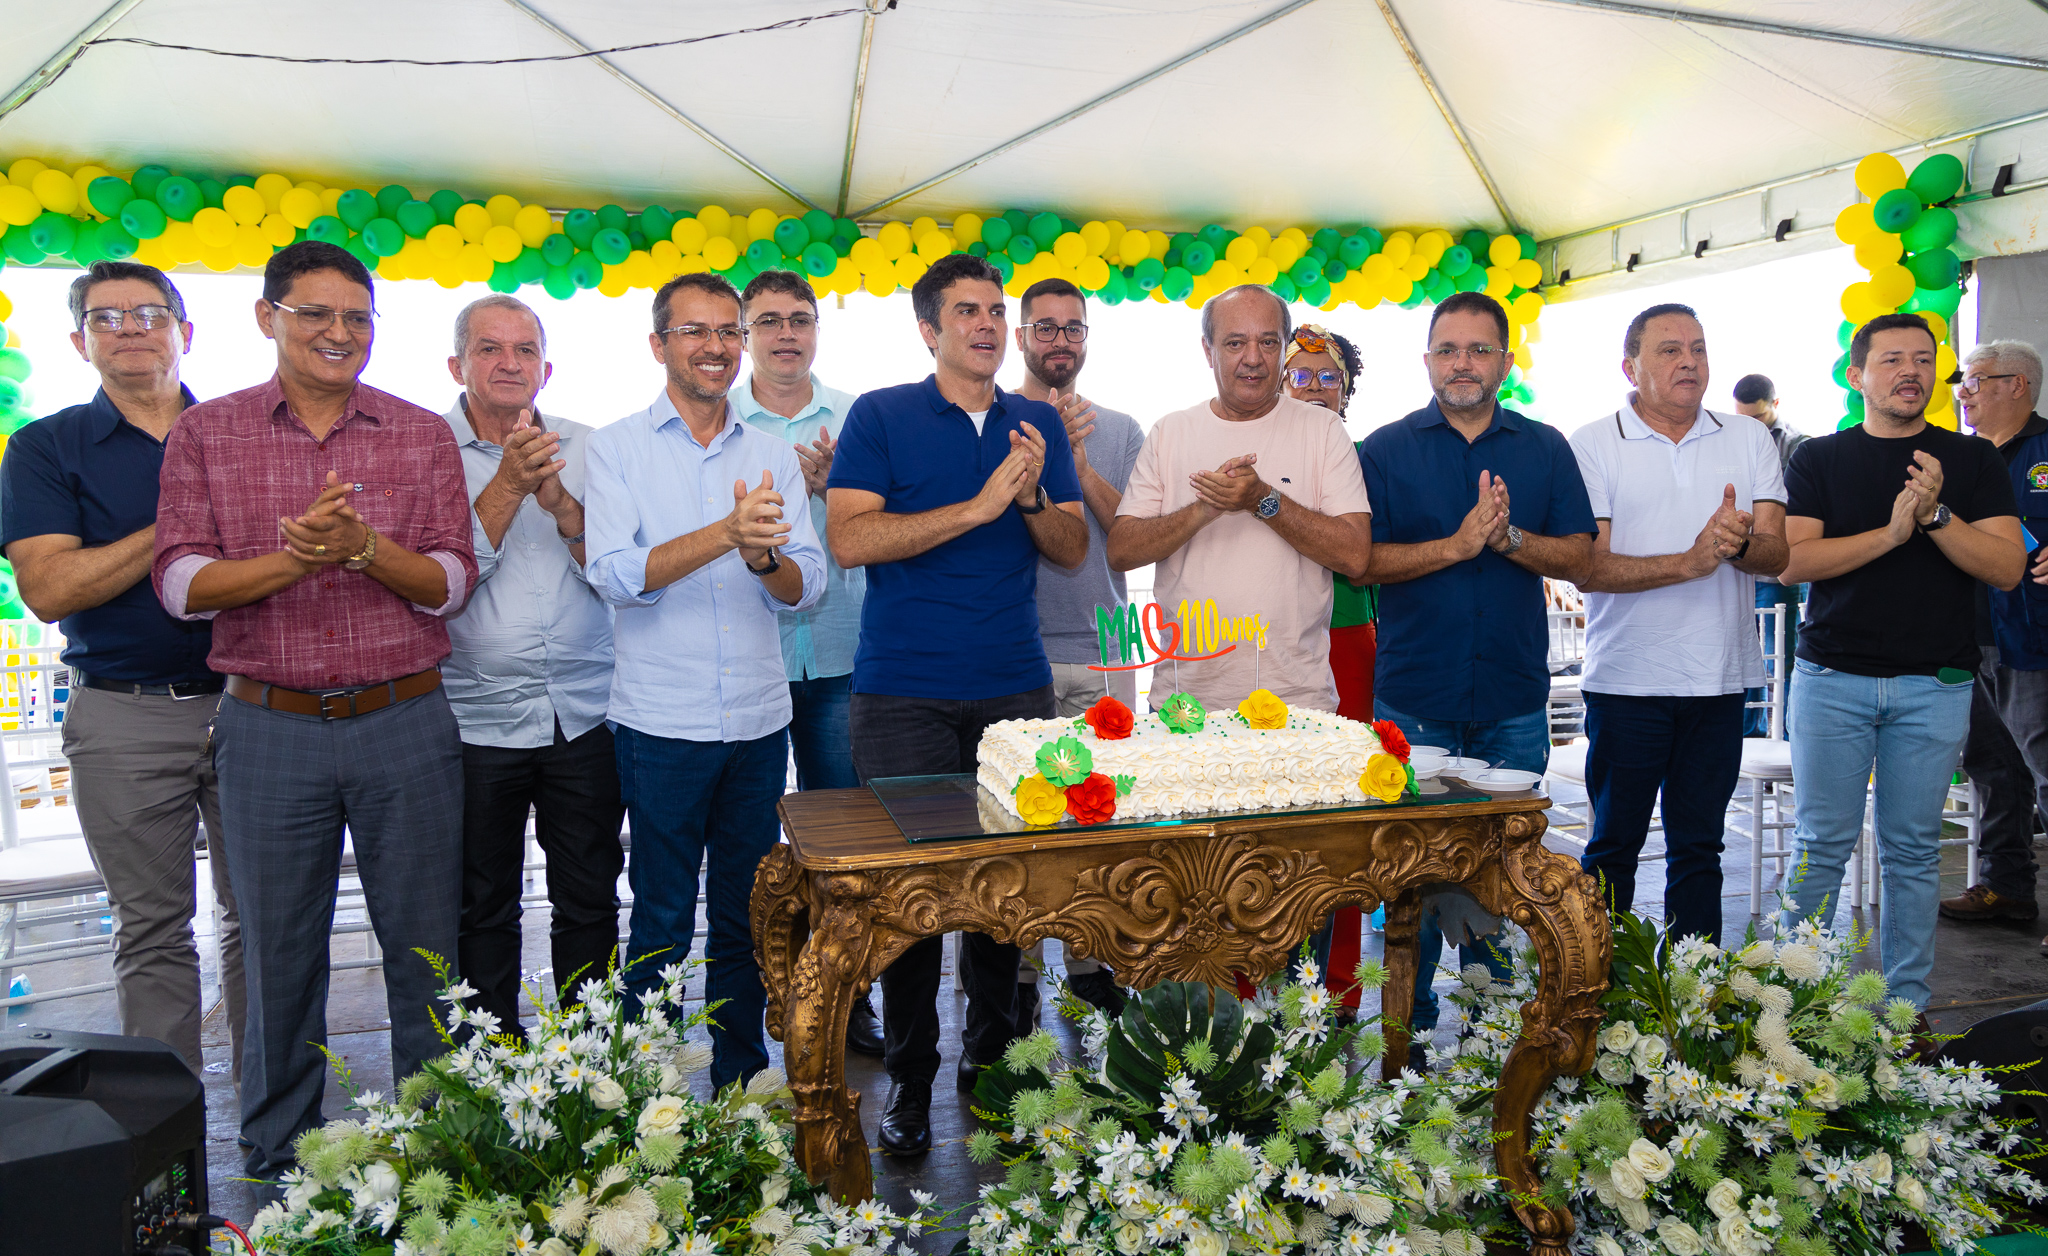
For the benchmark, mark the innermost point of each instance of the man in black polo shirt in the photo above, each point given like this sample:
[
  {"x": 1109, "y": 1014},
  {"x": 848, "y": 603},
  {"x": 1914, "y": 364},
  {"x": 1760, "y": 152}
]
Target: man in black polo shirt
[{"x": 78, "y": 494}]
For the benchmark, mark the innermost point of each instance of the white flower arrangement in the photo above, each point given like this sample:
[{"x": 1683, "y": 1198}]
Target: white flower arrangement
[
  {"x": 1201, "y": 1125},
  {"x": 1761, "y": 1101},
  {"x": 576, "y": 1141}
]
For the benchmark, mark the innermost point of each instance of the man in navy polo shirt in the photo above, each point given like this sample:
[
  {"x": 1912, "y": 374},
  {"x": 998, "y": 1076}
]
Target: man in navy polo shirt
[
  {"x": 1476, "y": 505},
  {"x": 78, "y": 493},
  {"x": 947, "y": 491}
]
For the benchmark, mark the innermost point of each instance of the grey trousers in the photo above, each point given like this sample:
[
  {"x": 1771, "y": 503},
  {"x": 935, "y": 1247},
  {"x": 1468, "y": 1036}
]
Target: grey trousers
[
  {"x": 2007, "y": 756},
  {"x": 142, "y": 781},
  {"x": 288, "y": 785}
]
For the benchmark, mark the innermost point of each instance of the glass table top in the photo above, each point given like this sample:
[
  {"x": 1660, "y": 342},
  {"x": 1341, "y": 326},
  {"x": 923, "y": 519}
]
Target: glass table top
[{"x": 956, "y": 808}]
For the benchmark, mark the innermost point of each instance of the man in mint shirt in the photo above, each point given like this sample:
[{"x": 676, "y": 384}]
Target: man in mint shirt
[{"x": 780, "y": 312}]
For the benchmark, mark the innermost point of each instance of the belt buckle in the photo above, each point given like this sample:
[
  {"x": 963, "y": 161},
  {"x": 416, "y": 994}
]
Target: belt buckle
[
  {"x": 327, "y": 710},
  {"x": 172, "y": 690}
]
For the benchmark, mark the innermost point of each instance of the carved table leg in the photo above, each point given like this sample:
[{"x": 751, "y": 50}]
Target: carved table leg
[
  {"x": 830, "y": 1147},
  {"x": 1402, "y": 951},
  {"x": 1560, "y": 907}
]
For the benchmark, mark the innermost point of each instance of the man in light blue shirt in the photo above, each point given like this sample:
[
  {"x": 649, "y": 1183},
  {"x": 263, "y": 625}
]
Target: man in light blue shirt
[
  {"x": 783, "y": 398},
  {"x": 694, "y": 544},
  {"x": 530, "y": 672}
]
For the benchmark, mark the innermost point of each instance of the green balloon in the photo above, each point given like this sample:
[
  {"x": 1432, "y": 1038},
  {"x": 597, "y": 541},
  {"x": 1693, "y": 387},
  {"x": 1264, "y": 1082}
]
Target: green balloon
[
  {"x": 1937, "y": 178},
  {"x": 211, "y": 192},
  {"x": 1334, "y": 270},
  {"x": 611, "y": 247},
  {"x": 1438, "y": 285},
  {"x": 53, "y": 232},
  {"x": 361, "y": 251},
  {"x": 740, "y": 274},
  {"x": 180, "y": 197},
  {"x": 1304, "y": 272},
  {"x": 14, "y": 365},
  {"x": 1001, "y": 261},
  {"x": 10, "y": 394},
  {"x": 1476, "y": 242},
  {"x": 1148, "y": 274},
  {"x": 16, "y": 244},
  {"x": 355, "y": 207},
  {"x": 611, "y": 217},
  {"x": 1019, "y": 221},
  {"x": 557, "y": 284},
  {"x": 819, "y": 224},
  {"x": 1354, "y": 250},
  {"x": 1471, "y": 279},
  {"x": 819, "y": 259},
  {"x": 1198, "y": 257},
  {"x": 656, "y": 223},
  {"x": 390, "y": 197},
  {"x": 328, "y": 230},
  {"x": 1045, "y": 228},
  {"x": 445, "y": 204},
  {"x": 845, "y": 231},
  {"x": 502, "y": 279},
  {"x": 416, "y": 218},
  {"x": 1415, "y": 297},
  {"x": 579, "y": 225},
  {"x": 143, "y": 219},
  {"x": 1024, "y": 247},
  {"x": 763, "y": 255},
  {"x": 1177, "y": 284},
  {"x": 108, "y": 194},
  {"x": 791, "y": 236},
  {"x": 1319, "y": 292},
  {"x": 1936, "y": 268},
  {"x": 529, "y": 266},
  {"x": 1327, "y": 240},
  {"x": 585, "y": 271},
  {"x": 148, "y": 179},
  {"x": 1896, "y": 210},
  {"x": 557, "y": 249},
  {"x": 1845, "y": 333},
  {"x": 1935, "y": 228},
  {"x": 383, "y": 237},
  {"x": 1842, "y": 371},
  {"x": 1528, "y": 243},
  {"x": 1456, "y": 260},
  {"x": 1112, "y": 289},
  {"x": 114, "y": 241},
  {"x": 1284, "y": 288},
  {"x": 996, "y": 233},
  {"x": 1942, "y": 301}
]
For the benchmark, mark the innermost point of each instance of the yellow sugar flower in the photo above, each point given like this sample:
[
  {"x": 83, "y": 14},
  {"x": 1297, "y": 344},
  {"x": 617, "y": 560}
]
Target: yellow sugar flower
[
  {"x": 1263, "y": 709},
  {"x": 1040, "y": 801},
  {"x": 1385, "y": 778}
]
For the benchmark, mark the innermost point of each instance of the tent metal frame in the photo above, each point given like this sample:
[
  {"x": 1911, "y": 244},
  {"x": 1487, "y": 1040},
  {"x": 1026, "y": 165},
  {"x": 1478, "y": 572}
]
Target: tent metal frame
[
  {"x": 61, "y": 60},
  {"x": 1443, "y": 106},
  {"x": 860, "y": 90},
  {"x": 1790, "y": 31}
]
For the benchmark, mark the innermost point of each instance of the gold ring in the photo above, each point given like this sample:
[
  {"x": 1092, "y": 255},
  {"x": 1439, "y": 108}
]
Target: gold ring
[{"x": 319, "y": 549}]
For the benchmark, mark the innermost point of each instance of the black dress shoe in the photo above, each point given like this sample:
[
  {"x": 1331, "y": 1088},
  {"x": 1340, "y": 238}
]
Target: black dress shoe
[
  {"x": 907, "y": 1125},
  {"x": 967, "y": 1075},
  {"x": 1099, "y": 989},
  {"x": 863, "y": 1035},
  {"x": 1418, "y": 1058}
]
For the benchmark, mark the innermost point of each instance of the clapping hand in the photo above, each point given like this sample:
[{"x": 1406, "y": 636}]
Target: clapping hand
[
  {"x": 1923, "y": 481},
  {"x": 1231, "y": 487},
  {"x": 1027, "y": 443},
  {"x": 1727, "y": 531},
  {"x": 531, "y": 462},
  {"x": 816, "y": 460},
  {"x": 1078, "y": 414},
  {"x": 756, "y": 525},
  {"x": 330, "y": 531}
]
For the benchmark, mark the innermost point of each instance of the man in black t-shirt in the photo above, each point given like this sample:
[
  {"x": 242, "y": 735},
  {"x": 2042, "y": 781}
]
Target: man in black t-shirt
[{"x": 1893, "y": 521}]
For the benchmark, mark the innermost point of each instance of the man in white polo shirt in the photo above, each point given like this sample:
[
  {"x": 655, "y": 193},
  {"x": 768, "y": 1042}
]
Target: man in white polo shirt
[{"x": 1671, "y": 613}]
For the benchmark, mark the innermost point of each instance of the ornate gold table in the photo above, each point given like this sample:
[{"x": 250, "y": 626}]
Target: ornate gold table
[{"x": 1196, "y": 901}]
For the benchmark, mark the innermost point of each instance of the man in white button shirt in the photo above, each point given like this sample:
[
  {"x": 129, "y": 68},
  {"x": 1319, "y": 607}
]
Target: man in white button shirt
[
  {"x": 1691, "y": 508},
  {"x": 531, "y": 671}
]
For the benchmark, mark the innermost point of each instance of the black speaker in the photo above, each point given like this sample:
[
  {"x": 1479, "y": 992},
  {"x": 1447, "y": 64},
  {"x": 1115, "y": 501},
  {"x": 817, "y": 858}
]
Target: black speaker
[
  {"x": 2018, "y": 1037},
  {"x": 102, "y": 1143}
]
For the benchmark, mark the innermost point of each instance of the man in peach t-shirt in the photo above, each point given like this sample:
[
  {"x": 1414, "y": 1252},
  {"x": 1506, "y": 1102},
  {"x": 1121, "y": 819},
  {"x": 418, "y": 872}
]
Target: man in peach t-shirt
[{"x": 1249, "y": 500}]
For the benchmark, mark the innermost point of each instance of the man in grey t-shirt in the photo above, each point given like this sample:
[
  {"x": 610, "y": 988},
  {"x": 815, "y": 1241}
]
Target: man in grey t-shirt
[{"x": 1052, "y": 335}]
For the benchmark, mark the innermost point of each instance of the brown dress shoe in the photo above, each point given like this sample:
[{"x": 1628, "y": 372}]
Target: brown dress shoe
[
  {"x": 1923, "y": 1046},
  {"x": 1981, "y": 902}
]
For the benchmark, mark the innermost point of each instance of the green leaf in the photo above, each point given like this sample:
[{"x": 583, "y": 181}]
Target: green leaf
[{"x": 1125, "y": 784}]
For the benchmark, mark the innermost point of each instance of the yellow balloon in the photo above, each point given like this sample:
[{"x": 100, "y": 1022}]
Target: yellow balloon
[
  {"x": 1504, "y": 251},
  {"x": 1891, "y": 285},
  {"x": 502, "y": 209},
  {"x": 18, "y": 206},
  {"x": 761, "y": 223},
  {"x": 667, "y": 258},
  {"x": 1854, "y": 224},
  {"x": 1285, "y": 253},
  {"x": 391, "y": 270},
  {"x": 615, "y": 282},
  {"x": 1397, "y": 249},
  {"x": 1936, "y": 324},
  {"x": 880, "y": 283},
  {"x": 23, "y": 172},
  {"x": 1526, "y": 308},
  {"x": 472, "y": 221},
  {"x": 894, "y": 238},
  {"x": 56, "y": 191},
  {"x": 922, "y": 224},
  {"x": 720, "y": 253},
  {"x": 81, "y": 179},
  {"x": 1241, "y": 252},
  {"x": 1135, "y": 247},
  {"x": 251, "y": 248},
  {"x": 1430, "y": 246},
  {"x": 1262, "y": 270},
  {"x": 1944, "y": 365},
  {"x": 1525, "y": 357},
  {"x": 866, "y": 255},
  {"x": 182, "y": 242},
  {"x": 330, "y": 200},
  {"x": 1094, "y": 238},
  {"x": 715, "y": 221},
  {"x": 272, "y": 187},
  {"x": 1527, "y": 272},
  {"x": 446, "y": 241},
  {"x": 1094, "y": 272},
  {"x": 966, "y": 229},
  {"x": 1879, "y": 250},
  {"x": 419, "y": 259},
  {"x": 149, "y": 253},
  {"x": 501, "y": 244},
  {"x": 909, "y": 269},
  {"x": 695, "y": 264},
  {"x": 276, "y": 231},
  {"x": 215, "y": 228},
  {"x": 1499, "y": 282},
  {"x": 1397, "y": 289},
  {"x": 448, "y": 275},
  {"x": 1860, "y": 304},
  {"x": 534, "y": 225},
  {"x": 1156, "y": 244},
  {"x": 221, "y": 260},
  {"x": 845, "y": 278},
  {"x": 1879, "y": 173},
  {"x": 298, "y": 207},
  {"x": 244, "y": 205},
  {"x": 1413, "y": 269},
  {"x": 473, "y": 263},
  {"x": 689, "y": 236},
  {"x": 933, "y": 245},
  {"x": 1069, "y": 248}
]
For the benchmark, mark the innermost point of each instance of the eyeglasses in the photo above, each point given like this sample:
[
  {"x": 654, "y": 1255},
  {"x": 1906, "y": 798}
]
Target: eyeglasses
[
  {"x": 1481, "y": 354},
  {"x": 1049, "y": 331},
  {"x": 698, "y": 333},
  {"x": 1969, "y": 386},
  {"x": 769, "y": 324},
  {"x": 320, "y": 318},
  {"x": 1302, "y": 377},
  {"x": 147, "y": 317}
]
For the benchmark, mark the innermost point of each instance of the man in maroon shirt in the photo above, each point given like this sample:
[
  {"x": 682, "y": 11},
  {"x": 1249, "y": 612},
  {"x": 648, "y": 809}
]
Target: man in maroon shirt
[{"x": 324, "y": 527}]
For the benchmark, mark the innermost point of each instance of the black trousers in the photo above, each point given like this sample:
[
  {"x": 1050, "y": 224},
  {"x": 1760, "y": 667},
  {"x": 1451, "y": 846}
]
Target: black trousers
[
  {"x": 573, "y": 789},
  {"x": 928, "y": 737}
]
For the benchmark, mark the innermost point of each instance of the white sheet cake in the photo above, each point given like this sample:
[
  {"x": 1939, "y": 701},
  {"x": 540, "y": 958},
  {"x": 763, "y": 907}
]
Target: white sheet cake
[{"x": 1225, "y": 766}]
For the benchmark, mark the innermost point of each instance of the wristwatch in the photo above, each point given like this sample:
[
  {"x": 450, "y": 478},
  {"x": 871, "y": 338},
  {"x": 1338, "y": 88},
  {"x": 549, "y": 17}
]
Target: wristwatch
[
  {"x": 1940, "y": 520},
  {"x": 774, "y": 565},
  {"x": 362, "y": 558},
  {"x": 1514, "y": 540},
  {"x": 1037, "y": 509},
  {"x": 1269, "y": 505}
]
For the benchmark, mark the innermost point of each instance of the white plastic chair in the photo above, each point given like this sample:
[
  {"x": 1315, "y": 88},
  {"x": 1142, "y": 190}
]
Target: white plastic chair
[{"x": 1763, "y": 789}]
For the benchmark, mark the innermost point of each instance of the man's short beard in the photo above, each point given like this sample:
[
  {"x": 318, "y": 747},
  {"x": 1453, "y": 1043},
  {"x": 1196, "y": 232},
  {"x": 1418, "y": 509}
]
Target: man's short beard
[
  {"x": 687, "y": 384},
  {"x": 1884, "y": 408},
  {"x": 1487, "y": 395},
  {"x": 1057, "y": 377}
]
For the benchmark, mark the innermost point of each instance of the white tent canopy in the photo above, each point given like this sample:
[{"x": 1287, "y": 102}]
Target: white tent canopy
[{"x": 1560, "y": 117}]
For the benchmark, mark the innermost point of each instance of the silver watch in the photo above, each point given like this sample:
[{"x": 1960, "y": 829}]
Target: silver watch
[
  {"x": 1269, "y": 505},
  {"x": 1940, "y": 520},
  {"x": 1514, "y": 540}
]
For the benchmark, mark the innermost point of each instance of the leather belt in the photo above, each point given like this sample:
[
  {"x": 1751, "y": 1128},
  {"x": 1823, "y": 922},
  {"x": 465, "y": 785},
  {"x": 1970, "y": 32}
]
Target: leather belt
[
  {"x": 338, "y": 704},
  {"x": 181, "y": 690}
]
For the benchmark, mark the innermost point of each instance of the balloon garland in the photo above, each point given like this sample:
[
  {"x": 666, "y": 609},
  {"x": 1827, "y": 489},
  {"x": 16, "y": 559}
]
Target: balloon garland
[
  {"x": 1902, "y": 236},
  {"x": 168, "y": 219}
]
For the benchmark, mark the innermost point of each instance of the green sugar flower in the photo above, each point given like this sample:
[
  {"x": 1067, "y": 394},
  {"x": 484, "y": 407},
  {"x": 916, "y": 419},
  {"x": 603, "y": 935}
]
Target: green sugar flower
[
  {"x": 1065, "y": 762},
  {"x": 1183, "y": 714}
]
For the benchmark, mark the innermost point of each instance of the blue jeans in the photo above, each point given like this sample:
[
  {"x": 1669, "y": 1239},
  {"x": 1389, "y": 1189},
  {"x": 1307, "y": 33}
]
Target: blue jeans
[
  {"x": 1903, "y": 732},
  {"x": 818, "y": 735},
  {"x": 1521, "y": 743},
  {"x": 1690, "y": 749},
  {"x": 1756, "y": 721},
  {"x": 687, "y": 798}
]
